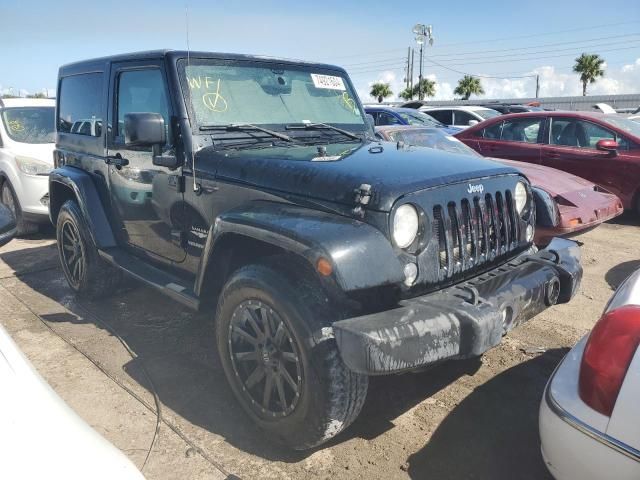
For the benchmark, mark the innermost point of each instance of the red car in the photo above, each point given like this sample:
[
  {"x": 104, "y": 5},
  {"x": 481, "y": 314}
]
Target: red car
[
  {"x": 603, "y": 148},
  {"x": 566, "y": 204}
]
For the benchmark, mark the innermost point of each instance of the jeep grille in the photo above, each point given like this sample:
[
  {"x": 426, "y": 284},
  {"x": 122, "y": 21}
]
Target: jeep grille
[{"x": 474, "y": 231}]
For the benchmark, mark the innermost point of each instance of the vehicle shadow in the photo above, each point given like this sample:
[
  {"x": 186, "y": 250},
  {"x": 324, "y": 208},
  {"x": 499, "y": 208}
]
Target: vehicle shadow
[
  {"x": 627, "y": 218},
  {"x": 616, "y": 275},
  {"x": 493, "y": 432},
  {"x": 175, "y": 347}
]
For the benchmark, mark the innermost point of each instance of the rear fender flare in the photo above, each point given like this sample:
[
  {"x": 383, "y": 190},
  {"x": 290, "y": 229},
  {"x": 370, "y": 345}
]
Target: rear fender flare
[{"x": 86, "y": 194}]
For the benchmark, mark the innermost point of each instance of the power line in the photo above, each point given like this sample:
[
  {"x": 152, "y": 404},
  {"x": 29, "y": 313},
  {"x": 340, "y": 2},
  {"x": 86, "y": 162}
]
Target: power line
[
  {"x": 542, "y": 34},
  {"x": 536, "y": 58},
  {"x": 475, "y": 42},
  {"x": 385, "y": 60}
]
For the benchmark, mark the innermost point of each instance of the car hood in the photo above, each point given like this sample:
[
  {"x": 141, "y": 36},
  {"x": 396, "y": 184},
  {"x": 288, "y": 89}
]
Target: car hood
[
  {"x": 391, "y": 171},
  {"x": 555, "y": 182},
  {"x": 39, "y": 151}
]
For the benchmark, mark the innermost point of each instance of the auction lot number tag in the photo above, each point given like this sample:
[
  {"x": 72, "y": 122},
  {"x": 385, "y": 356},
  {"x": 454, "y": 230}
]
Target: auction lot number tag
[{"x": 327, "y": 81}]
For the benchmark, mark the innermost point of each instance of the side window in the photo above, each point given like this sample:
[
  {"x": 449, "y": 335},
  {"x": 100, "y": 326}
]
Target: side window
[
  {"x": 443, "y": 116},
  {"x": 521, "y": 130},
  {"x": 79, "y": 110},
  {"x": 594, "y": 133},
  {"x": 462, "y": 118},
  {"x": 493, "y": 132},
  {"x": 141, "y": 91},
  {"x": 387, "y": 119},
  {"x": 375, "y": 117}
]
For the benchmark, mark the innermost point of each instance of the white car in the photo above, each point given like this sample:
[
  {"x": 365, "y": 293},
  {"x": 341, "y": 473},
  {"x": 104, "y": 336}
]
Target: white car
[
  {"x": 27, "y": 140},
  {"x": 589, "y": 415},
  {"x": 462, "y": 116},
  {"x": 635, "y": 118},
  {"x": 41, "y": 437}
]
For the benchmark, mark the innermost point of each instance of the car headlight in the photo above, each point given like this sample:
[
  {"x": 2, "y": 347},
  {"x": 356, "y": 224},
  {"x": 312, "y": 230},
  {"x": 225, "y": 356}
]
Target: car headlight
[
  {"x": 521, "y": 197},
  {"x": 405, "y": 225},
  {"x": 32, "y": 166}
]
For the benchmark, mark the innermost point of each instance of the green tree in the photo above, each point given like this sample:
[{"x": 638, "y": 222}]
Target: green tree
[
  {"x": 406, "y": 94},
  {"x": 380, "y": 91},
  {"x": 424, "y": 88},
  {"x": 468, "y": 86},
  {"x": 589, "y": 66},
  {"x": 37, "y": 95}
]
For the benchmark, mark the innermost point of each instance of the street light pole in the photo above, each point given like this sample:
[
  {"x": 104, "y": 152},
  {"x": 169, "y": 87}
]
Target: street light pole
[{"x": 422, "y": 32}]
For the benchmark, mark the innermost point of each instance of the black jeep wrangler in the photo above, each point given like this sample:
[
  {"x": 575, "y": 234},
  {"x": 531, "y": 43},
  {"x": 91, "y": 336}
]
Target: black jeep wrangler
[{"x": 252, "y": 187}]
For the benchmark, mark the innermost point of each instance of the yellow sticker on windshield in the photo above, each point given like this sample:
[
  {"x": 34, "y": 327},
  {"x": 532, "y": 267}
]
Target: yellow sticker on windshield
[
  {"x": 211, "y": 98},
  {"x": 16, "y": 126},
  {"x": 349, "y": 103}
]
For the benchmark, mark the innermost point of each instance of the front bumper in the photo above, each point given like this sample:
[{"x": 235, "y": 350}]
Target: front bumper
[{"x": 464, "y": 320}]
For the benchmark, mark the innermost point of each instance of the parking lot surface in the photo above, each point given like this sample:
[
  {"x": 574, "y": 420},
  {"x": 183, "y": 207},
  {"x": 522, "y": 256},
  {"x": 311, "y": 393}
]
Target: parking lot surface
[{"x": 115, "y": 361}]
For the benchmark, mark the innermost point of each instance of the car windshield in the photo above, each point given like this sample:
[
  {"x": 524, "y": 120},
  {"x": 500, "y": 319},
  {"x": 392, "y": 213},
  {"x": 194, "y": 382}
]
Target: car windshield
[
  {"x": 224, "y": 93},
  {"x": 487, "y": 113},
  {"x": 30, "y": 124},
  {"x": 432, "y": 138},
  {"x": 625, "y": 124},
  {"x": 419, "y": 118}
]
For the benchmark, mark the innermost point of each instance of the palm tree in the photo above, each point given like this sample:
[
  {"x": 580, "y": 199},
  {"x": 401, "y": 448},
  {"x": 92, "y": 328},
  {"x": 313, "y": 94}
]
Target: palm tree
[
  {"x": 380, "y": 91},
  {"x": 468, "y": 86},
  {"x": 406, "y": 94},
  {"x": 589, "y": 66},
  {"x": 424, "y": 88}
]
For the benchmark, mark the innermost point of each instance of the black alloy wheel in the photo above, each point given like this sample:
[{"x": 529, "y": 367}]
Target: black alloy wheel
[
  {"x": 265, "y": 359},
  {"x": 73, "y": 254}
]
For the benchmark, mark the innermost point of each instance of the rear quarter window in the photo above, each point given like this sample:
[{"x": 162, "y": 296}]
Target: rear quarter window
[{"x": 79, "y": 107}]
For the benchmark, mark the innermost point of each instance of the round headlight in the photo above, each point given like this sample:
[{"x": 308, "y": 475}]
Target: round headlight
[
  {"x": 405, "y": 225},
  {"x": 520, "y": 197}
]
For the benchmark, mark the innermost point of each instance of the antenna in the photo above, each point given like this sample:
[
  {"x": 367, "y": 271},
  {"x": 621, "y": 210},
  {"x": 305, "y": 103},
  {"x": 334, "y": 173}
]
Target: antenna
[{"x": 196, "y": 187}]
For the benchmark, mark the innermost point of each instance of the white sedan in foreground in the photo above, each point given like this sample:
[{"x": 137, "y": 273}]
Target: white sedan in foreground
[{"x": 590, "y": 411}]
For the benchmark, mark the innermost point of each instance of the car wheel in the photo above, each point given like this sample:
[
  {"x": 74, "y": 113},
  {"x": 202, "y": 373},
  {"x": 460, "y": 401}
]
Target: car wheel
[
  {"x": 293, "y": 384},
  {"x": 9, "y": 199},
  {"x": 86, "y": 273}
]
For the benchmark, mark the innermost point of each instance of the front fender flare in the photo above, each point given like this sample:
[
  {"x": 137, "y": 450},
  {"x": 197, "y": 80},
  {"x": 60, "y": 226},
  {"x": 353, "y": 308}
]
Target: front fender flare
[
  {"x": 361, "y": 255},
  {"x": 86, "y": 193}
]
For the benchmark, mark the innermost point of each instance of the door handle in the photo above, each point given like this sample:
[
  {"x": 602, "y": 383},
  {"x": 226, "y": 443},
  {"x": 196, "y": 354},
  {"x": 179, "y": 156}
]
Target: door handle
[
  {"x": 552, "y": 155},
  {"x": 116, "y": 160}
]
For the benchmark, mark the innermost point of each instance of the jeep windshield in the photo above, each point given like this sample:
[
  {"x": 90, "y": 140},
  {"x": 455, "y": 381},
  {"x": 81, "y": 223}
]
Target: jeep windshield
[
  {"x": 29, "y": 124},
  {"x": 302, "y": 100}
]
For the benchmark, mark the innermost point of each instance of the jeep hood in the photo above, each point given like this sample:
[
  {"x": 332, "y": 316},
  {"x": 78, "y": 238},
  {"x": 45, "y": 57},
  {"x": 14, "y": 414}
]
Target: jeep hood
[{"x": 391, "y": 171}]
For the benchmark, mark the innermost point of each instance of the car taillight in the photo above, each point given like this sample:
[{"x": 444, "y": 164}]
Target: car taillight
[{"x": 607, "y": 355}]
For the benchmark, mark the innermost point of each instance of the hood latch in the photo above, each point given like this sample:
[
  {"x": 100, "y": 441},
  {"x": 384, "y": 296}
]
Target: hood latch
[{"x": 363, "y": 195}]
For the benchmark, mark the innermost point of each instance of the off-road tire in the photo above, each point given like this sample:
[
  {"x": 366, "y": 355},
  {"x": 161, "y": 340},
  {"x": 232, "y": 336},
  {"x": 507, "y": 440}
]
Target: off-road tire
[
  {"x": 10, "y": 200},
  {"x": 96, "y": 278},
  {"x": 331, "y": 395}
]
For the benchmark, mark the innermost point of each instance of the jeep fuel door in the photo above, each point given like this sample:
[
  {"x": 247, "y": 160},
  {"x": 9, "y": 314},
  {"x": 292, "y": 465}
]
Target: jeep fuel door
[{"x": 146, "y": 199}]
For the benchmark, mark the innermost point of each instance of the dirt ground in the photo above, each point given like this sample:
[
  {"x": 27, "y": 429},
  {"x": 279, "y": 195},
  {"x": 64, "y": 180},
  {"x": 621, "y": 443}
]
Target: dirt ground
[{"x": 467, "y": 419}]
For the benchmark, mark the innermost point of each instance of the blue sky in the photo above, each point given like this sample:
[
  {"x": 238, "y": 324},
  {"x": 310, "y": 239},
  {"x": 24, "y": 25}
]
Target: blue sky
[{"x": 368, "y": 38}]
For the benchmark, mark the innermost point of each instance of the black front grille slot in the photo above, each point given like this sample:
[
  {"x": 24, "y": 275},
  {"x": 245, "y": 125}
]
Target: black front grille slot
[{"x": 472, "y": 232}]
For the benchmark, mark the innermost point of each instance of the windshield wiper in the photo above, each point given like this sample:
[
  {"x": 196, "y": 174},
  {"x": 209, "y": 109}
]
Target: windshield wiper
[
  {"x": 320, "y": 126},
  {"x": 247, "y": 126}
]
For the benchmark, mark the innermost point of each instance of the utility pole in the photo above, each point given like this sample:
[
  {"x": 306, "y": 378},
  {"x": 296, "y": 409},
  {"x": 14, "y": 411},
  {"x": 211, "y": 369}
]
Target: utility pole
[
  {"x": 422, "y": 33},
  {"x": 411, "y": 76},
  {"x": 537, "y": 85},
  {"x": 407, "y": 81}
]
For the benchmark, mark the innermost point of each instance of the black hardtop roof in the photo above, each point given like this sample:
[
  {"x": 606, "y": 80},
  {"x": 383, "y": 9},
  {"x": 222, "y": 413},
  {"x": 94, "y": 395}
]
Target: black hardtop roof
[{"x": 99, "y": 64}]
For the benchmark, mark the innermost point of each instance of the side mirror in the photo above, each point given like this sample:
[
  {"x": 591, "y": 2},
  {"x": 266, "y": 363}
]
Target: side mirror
[
  {"x": 7, "y": 225},
  {"x": 144, "y": 129},
  {"x": 471, "y": 123},
  {"x": 607, "y": 145},
  {"x": 148, "y": 130}
]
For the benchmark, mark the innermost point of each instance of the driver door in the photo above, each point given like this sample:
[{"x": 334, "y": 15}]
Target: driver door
[{"x": 146, "y": 199}]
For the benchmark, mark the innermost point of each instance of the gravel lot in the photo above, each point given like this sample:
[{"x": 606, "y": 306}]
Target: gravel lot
[{"x": 471, "y": 419}]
